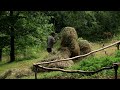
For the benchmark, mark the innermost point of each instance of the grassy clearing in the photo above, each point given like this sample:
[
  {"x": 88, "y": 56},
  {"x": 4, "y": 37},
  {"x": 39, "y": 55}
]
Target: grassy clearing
[
  {"x": 89, "y": 64},
  {"x": 21, "y": 64}
]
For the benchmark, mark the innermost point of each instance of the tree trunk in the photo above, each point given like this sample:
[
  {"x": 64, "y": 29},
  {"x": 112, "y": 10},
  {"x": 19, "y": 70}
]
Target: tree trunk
[
  {"x": 12, "y": 54},
  {"x": 0, "y": 54}
]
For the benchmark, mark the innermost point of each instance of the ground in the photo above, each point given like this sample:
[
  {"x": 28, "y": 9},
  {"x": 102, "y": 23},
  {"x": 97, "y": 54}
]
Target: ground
[{"x": 28, "y": 63}]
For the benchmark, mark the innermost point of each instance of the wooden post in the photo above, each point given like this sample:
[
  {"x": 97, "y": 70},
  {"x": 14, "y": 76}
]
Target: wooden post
[
  {"x": 118, "y": 46},
  {"x": 115, "y": 68},
  {"x": 35, "y": 71},
  {"x": 104, "y": 50}
]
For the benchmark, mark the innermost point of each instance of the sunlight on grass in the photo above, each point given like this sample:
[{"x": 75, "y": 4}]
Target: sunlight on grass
[
  {"x": 21, "y": 64},
  {"x": 44, "y": 75}
]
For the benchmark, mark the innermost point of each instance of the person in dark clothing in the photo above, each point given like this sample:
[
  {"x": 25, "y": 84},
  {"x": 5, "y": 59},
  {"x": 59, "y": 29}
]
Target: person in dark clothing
[{"x": 50, "y": 42}]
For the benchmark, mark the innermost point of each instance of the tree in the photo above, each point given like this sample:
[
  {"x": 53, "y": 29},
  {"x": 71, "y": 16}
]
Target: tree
[
  {"x": 24, "y": 29},
  {"x": 90, "y": 25},
  {"x": 12, "y": 53}
]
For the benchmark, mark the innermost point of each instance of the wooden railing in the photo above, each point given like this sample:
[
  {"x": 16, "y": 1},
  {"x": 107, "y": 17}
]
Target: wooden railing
[{"x": 113, "y": 66}]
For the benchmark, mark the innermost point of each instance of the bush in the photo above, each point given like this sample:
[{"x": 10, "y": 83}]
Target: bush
[{"x": 117, "y": 53}]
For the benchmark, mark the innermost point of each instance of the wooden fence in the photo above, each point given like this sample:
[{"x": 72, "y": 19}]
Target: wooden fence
[{"x": 113, "y": 66}]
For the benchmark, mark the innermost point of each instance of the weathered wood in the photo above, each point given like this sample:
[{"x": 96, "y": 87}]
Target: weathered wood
[
  {"x": 79, "y": 55},
  {"x": 36, "y": 67},
  {"x": 75, "y": 71},
  {"x": 115, "y": 68},
  {"x": 116, "y": 64},
  {"x": 118, "y": 46}
]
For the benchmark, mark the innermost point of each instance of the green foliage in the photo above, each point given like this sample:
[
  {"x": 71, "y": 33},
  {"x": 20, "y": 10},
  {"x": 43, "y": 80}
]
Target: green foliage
[
  {"x": 31, "y": 29},
  {"x": 117, "y": 53},
  {"x": 92, "y": 64},
  {"x": 91, "y": 25},
  {"x": 34, "y": 28}
]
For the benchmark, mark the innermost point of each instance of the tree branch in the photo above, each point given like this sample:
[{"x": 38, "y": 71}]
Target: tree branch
[{"x": 75, "y": 71}]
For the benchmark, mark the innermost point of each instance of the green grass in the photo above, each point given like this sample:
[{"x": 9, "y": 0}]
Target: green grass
[
  {"x": 44, "y": 75},
  {"x": 20, "y": 64},
  {"x": 88, "y": 64},
  {"x": 91, "y": 64}
]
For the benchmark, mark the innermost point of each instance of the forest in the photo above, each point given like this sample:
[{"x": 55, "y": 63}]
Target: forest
[{"x": 23, "y": 37}]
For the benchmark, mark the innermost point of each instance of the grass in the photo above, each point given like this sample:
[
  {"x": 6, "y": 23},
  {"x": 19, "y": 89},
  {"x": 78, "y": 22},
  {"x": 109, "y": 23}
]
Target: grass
[
  {"x": 20, "y": 64},
  {"x": 88, "y": 64}
]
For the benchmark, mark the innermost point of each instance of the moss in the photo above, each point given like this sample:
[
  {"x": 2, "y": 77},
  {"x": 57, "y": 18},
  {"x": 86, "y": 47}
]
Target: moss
[
  {"x": 85, "y": 46},
  {"x": 69, "y": 39}
]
